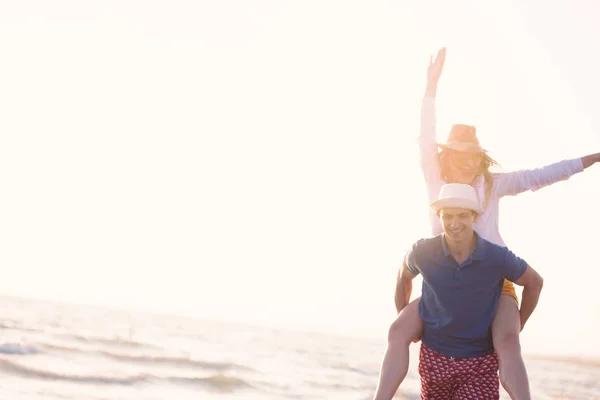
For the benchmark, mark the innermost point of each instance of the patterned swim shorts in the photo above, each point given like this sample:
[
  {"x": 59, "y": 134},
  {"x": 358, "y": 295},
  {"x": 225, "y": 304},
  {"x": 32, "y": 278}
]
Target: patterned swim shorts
[{"x": 447, "y": 378}]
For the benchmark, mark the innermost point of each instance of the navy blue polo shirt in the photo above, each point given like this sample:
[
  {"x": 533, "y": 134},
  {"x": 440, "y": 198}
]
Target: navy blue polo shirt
[{"x": 459, "y": 302}]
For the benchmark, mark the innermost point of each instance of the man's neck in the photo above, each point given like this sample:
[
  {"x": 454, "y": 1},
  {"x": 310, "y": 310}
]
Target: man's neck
[{"x": 461, "y": 250}]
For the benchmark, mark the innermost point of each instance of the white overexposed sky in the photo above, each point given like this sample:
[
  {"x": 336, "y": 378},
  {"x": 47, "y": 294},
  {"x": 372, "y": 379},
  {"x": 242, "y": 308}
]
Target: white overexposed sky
[{"x": 256, "y": 160}]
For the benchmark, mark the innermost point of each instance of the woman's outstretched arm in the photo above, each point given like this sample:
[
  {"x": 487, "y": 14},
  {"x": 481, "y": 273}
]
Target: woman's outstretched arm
[{"x": 513, "y": 183}]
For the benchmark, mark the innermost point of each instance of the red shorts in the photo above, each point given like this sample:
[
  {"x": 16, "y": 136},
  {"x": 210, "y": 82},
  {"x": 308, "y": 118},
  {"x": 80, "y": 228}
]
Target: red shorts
[{"x": 447, "y": 378}]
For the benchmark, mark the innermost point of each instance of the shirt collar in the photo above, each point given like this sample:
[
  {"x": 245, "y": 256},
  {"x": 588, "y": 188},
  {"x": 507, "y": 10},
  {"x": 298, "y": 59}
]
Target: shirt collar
[
  {"x": 478, "y": 254},
  {"x": 444, "y": 245}
]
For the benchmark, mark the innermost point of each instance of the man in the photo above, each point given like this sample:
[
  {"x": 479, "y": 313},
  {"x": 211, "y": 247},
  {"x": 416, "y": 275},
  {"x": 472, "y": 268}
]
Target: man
[{"x": 463, "y": 276}]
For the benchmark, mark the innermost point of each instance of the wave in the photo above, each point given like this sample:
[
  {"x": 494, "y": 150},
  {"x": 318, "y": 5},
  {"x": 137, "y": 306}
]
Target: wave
[
  {"x": 69, "y": 349},
  {"x": 220, "y": 383},
  {"x": 28, "y": 372},
  {"x": 350, "y": 368},
  {"x": 573, "y": 360},
  {"x": 176, "y": 361},
  {"x": 17, "y": 348},
  {"x": 23, "y": 349},
  {"x": 116, "y": 341},
  {"x": 17, "y": 325},
  {"x": 339, "y": 386}
]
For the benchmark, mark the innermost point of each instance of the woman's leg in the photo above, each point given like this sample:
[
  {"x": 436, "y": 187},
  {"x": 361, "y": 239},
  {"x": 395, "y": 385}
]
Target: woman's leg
[
  {"x": 505, "y": 332},
  {"x": 406, "y": 328}
]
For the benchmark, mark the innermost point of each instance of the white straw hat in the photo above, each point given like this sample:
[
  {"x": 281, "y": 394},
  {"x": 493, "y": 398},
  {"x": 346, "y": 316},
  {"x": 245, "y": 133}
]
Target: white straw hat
[{"x": 457, "y": 195}]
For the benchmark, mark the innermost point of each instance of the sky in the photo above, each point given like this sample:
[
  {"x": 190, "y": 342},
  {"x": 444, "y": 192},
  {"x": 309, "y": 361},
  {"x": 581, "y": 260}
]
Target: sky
[{"x": 257, "y": 161}]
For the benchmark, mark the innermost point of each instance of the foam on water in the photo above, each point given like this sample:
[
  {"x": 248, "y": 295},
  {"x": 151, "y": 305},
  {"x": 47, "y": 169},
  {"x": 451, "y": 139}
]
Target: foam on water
[{"x": 17, "y": 348}]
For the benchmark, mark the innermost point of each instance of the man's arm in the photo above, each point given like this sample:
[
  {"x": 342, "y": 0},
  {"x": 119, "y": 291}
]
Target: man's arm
[
  {"x": 532, "y": 284},
  {"x": 403, "y": 287}
]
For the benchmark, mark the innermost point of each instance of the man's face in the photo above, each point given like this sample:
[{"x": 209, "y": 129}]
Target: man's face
[{"x": 458, "y": 223}]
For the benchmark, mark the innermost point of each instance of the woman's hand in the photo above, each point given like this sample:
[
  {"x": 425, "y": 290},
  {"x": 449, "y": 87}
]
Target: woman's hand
[
  {"x": 590, "y": 160},
  {"x": 435, "y": 67},
  {"x": 434, "y": 71}
]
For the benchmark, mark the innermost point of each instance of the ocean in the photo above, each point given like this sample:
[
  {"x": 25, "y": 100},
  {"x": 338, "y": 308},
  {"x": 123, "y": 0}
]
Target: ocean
[{"x": 57, "y": 351}]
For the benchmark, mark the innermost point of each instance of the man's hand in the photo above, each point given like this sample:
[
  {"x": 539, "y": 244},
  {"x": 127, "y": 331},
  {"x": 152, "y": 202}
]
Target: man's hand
[
  {"x": 532, "y": 284},
  {"x": 435, "y": 67}
]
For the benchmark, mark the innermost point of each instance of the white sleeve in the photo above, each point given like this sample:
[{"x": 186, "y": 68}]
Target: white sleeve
[
  {"x": 512, "y": 183},
  {"x": 430, "y": 163}
]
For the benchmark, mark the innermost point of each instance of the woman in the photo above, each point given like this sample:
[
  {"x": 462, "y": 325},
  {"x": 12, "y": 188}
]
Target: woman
[{"x": 462, "y": 160}]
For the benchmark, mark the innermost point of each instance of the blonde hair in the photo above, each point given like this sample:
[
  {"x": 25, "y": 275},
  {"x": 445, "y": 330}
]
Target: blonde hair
[{"x": 484, "y": 169}]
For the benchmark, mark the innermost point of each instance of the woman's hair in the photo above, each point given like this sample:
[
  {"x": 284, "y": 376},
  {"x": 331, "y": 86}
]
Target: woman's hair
[{"x": 484, "y": 169}]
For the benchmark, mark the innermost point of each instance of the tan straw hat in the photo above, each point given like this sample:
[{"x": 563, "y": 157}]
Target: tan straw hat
[{"x": 463, "y": 138}]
